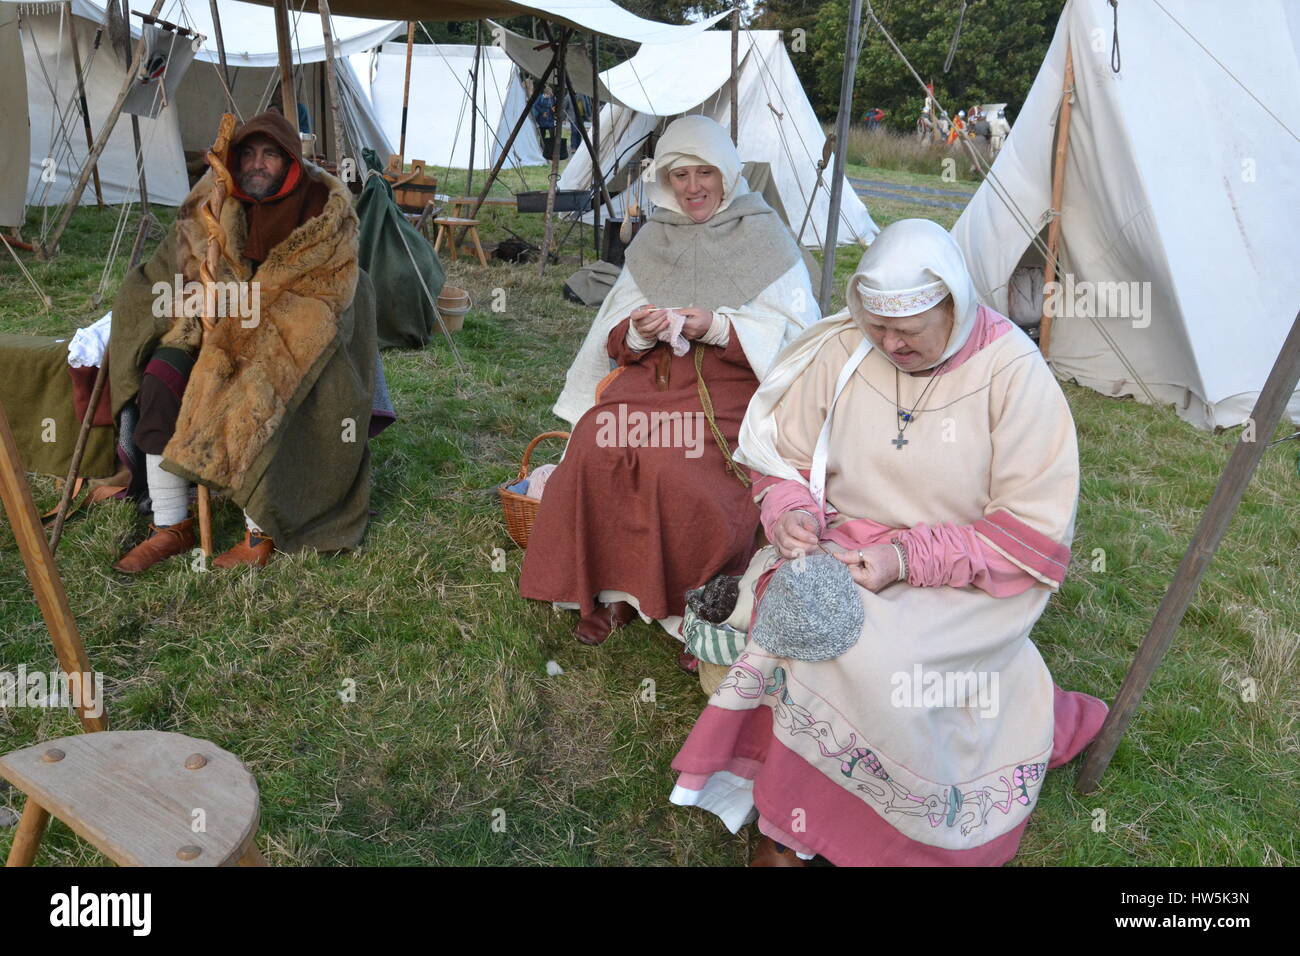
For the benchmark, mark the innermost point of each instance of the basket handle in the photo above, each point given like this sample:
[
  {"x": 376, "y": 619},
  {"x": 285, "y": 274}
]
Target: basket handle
[{"x": 528, "y": 453}]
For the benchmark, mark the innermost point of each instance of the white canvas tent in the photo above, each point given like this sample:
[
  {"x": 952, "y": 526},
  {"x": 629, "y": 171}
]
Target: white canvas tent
[
  {"x": 1181, "y": 172},
  {"x": 438, "y": 121},
  {"x": 57, "y": 146},
  {"x": 189, "y": 123},
  {"x": 248, "y": 32},
  {"x": 776, "y": 122}
]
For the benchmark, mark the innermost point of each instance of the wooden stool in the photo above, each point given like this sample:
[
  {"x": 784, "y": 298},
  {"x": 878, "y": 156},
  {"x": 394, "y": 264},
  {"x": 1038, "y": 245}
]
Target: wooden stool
[
  {"x": 135, "y": 795},
  {"x": 446, "y": 223}
]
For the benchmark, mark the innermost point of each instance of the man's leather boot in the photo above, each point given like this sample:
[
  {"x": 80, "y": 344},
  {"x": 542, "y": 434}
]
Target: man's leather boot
[{"x": 162, "y": 543}]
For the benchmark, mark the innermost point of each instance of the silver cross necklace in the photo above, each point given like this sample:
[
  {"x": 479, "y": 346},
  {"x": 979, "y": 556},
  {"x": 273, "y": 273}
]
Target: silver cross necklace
[{"x": 905, "y": 418}]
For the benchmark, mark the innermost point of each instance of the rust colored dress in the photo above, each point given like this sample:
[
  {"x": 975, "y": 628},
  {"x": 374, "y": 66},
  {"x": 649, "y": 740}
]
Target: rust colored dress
[{"x": 650, "y": 521}]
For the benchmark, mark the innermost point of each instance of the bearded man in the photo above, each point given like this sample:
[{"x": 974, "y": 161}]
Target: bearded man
[{"x": 275, "y": 407}]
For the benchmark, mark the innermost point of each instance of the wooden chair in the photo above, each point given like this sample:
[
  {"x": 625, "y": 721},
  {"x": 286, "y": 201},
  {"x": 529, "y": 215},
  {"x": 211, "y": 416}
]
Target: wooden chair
[
  {"x": 446, "y": 224},
  {"x": 138, "y": 796}
]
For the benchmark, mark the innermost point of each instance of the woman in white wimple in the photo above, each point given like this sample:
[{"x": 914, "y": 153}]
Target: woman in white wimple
[
  {"x": 630, "y": 522},
  {"x": 921, "y": 438}
]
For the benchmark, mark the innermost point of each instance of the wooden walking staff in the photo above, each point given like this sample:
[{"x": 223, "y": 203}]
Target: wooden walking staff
[
  {"x": 1272, "y": 401},
  {"x": 78, "y": 452},
  {"x": 222, "y": 185},
  {"x": 42, "y": 572}
]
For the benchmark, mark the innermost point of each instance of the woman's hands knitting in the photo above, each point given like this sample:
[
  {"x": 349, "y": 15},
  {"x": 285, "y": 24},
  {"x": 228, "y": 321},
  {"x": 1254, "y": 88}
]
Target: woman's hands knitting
[
  {"x": 795, "y": 534},
  {"x": 873, "y": 568}
]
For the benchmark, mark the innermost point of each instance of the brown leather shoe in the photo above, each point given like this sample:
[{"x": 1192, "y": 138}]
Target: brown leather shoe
[
  {"x": 162, "y": 543},
  {"x": 600, "y": 623},
  {"x": 255, "y": 549},
  {"x": 767, "y": 853}
]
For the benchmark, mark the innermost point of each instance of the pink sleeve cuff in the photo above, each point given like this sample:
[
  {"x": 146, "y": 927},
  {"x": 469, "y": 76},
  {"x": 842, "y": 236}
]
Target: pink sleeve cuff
[{"x": 951, "y": 555}]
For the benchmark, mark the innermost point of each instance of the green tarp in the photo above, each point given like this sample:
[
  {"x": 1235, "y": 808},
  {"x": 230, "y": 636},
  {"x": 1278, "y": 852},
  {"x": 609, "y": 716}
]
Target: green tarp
[{"x": 405, "y": 316}]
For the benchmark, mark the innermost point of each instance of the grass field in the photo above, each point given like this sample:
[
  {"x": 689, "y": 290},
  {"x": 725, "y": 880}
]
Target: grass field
[{"x": 459, "y": 748}]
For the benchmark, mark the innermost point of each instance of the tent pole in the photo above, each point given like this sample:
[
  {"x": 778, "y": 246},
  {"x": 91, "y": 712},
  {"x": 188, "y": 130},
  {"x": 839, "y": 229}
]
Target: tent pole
[
  {"x": 1058, "y": 188},
  {"x": 221, "y": 51},
  {"x": 841, "y": 140},
  {"x": 595, "y": 133},
  {"x": 473, "y": 113},
  {"x": 591, "y": 149},
  {"x": 288, "y": 99},
  {"x": 81, "y": 97},
  {"x": 137, "y": 248},
  {"x": 732, "y": 85},
  {"x": 510, "y": 141},
  {"x": 406, "y": 87},
  {"x": 49, "y": 246},
  {"x": 42, "y": 572},
  {"x": 332, "y": 89},
  {"x": 1270, "y": 405},
  {"x": 561, "y": 87}
]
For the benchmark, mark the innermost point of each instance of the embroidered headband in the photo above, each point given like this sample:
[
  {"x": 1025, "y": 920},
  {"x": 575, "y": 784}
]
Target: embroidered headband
[{"x": 902, "y": 302}]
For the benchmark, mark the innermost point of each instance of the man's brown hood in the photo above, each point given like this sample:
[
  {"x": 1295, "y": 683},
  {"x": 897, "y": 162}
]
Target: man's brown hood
[{"x": 300, "y": 197}]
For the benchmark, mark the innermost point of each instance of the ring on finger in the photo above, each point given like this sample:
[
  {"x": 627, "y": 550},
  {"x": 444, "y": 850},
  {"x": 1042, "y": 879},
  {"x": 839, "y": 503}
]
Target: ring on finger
[{"x": 862, "y": 558}]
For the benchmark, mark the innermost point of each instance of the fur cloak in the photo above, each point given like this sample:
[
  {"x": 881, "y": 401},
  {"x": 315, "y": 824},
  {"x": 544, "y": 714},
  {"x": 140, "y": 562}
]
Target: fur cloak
[{"x": 276, "y": 414}]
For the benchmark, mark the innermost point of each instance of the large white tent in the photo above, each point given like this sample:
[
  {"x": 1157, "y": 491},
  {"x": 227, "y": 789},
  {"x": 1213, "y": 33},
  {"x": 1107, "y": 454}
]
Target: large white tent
[
  {"x": 440, "y": 114},
  {"x": 777, "y": 124},
  {"x": 57, "y": 143},
  {"x": 1182, "y": 171}
]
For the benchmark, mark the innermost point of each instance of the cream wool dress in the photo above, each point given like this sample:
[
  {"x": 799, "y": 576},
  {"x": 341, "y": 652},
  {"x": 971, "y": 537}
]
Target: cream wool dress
[{"x": 993, "y": 448}]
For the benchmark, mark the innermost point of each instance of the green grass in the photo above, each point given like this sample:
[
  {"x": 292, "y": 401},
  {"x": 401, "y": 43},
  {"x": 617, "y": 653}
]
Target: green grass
[{"x": 455, "y": 717}]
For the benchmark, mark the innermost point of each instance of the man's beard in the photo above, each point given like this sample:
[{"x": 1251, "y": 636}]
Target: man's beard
[{"x": 260, "y": 185}]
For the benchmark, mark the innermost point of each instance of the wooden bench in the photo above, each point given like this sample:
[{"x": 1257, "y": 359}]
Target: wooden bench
[{"x": 447, "y": 223}]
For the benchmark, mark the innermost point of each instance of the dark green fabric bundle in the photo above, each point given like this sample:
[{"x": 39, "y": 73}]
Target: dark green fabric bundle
[
  {"x": 404, "y": 316},
  {"x": 35, "y": 386}
]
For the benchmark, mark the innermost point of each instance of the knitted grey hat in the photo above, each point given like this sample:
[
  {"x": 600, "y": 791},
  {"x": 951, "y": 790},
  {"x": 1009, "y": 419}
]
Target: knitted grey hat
[{"x": 811, "y": 610}]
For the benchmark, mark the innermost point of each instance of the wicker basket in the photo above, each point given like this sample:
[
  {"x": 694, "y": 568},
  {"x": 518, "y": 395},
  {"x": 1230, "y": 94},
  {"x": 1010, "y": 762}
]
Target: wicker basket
[{"x": 520, "y": 510}]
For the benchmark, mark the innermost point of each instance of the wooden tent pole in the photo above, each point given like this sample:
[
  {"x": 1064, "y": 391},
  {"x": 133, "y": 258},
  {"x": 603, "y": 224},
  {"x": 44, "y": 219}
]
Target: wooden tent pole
[
  {"x": 406, "y": 88},
  {"x": 598, "y": 170},
  {"x": 288, "y": 98},
  {"x": 142, "y": 231},
  {"x": 49, "y": 246},
  {"x": 597, "y": 177},
  {"x": 841, "y": 139},
  {"x": 473, "y": 111},
  {"x": 554, "y": 178},
  {"x": 732, "y": 83},
  {"x": 1058, "y": 188},
  {"x": 1272, "y": 401},
  {"x": 221, "y": 53},
  {"x": 510, "y": 141},
  {"x": 81, "y": 98},
  {"x": 332, "y": 89},
  {"x": 42, "y": 572}
]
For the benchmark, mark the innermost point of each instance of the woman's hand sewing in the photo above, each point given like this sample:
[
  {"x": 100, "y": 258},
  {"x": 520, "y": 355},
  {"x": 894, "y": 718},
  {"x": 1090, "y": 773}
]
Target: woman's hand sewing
[
  {"x": 649, "y": 320},
  {"x": 795, "y": 534},
  {"x": 873, "y": 568},
  {"x": 698, "y": 322}
]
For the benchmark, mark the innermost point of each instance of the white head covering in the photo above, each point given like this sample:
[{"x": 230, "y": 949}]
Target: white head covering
[
  {"x": 907, "y": 265},
  {"x": 696, "y": 141},
  {"x": 911, "y": 267}
]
